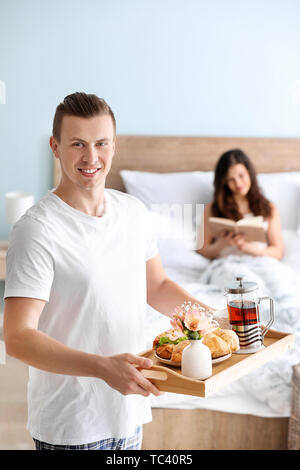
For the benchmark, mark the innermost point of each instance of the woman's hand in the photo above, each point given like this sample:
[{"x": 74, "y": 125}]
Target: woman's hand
[
  {"x": 228, "y": 238},
  {"x": 246, "y": 247},
  {"x": 239, "y": 240}
]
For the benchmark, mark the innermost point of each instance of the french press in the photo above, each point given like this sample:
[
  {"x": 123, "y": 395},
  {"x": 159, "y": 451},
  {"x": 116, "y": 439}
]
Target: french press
[{"x": 243, "y": 311}]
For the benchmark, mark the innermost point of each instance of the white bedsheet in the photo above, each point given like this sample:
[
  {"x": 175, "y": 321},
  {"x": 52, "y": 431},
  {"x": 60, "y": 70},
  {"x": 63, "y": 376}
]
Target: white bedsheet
[{"x": 265, "y": 391}]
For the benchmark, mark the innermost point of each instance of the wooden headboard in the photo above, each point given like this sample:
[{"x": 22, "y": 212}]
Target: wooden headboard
[{"x": 164, "y": 154}]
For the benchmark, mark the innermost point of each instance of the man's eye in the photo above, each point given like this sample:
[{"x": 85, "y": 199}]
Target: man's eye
[
  {"x": 101, "y": 144},
  {"x": 77, "y": 144}
]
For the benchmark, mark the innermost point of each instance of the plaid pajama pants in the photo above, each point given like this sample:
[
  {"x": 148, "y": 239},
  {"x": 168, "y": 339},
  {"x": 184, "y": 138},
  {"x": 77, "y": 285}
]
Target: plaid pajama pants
[{"x": 128, "y": 443}]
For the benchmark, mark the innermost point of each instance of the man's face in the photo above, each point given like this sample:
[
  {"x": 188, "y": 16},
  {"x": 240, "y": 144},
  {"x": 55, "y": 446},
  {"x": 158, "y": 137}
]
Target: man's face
[{"x": 85, "y": 151}]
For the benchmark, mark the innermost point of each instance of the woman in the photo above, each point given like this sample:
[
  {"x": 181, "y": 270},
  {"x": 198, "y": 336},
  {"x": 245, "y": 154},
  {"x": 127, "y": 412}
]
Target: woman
[{"x": 237, "y": 195}]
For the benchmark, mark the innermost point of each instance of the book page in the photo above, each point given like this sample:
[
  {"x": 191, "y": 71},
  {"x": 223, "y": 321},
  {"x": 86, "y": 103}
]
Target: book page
[
  {"x": 218, "y": 224},
  {"x": 253, "y": 233},
  {"x": 252, "y": 227},
  {"x": 257, "y": 221},
  {"x": 222, "y": 221}
]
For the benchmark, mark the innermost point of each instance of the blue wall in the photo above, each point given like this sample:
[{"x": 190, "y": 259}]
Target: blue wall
[{"x": 189, "y": 67}]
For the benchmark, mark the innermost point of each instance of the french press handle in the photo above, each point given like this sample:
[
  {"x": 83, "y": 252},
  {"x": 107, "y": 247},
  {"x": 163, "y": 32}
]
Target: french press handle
[{"x": 272, "y": 316}]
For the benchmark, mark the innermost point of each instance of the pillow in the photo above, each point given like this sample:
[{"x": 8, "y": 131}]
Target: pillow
[
  {"x": 283, "y": 189},
  {"x": 158, "y": 188}
]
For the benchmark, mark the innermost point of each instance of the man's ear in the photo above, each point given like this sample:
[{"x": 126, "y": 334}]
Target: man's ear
[
  {"x": 114, "y": 146},
  {"x": 54, "y": 146}
]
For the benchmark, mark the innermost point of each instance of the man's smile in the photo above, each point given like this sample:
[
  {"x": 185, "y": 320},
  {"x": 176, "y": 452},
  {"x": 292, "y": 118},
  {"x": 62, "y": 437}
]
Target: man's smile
[{"x": 89, "y": 172}]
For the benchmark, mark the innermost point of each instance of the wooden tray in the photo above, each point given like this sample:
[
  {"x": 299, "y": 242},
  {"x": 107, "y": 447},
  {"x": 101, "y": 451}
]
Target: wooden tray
[{"x": 170, "y": 379}]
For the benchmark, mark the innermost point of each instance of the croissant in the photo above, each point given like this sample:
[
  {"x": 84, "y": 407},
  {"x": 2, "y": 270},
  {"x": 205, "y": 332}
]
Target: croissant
[
  {"x": 230, "y": 337},
  {"x": 165, "y": 351},
  {"x": 217, "y": 345},
  {"x": 177, "y": 350}
]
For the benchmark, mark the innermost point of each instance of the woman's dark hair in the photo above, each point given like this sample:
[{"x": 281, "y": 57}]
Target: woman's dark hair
[{"x": 224, "y": 204}]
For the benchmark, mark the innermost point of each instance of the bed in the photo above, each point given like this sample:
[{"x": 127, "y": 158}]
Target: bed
[{"x": 254, "y": 412}]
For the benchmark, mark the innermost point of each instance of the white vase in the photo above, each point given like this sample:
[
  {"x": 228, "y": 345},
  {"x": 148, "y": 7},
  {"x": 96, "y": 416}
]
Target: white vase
[{"x": 196, "y": 360}]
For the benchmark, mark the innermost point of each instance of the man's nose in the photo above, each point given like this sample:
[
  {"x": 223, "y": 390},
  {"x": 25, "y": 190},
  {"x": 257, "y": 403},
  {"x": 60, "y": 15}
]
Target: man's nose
[{"x": 90, "y": 154}]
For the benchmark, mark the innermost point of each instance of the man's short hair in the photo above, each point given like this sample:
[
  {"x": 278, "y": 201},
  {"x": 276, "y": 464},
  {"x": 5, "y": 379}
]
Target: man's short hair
[{"x": 82, "y": 105}]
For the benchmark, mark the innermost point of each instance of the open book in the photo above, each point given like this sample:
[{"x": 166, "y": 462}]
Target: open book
[{"x": 252, "y": 227}]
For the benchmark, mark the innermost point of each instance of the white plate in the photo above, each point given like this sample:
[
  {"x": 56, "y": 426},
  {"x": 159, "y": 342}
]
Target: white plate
[
  {"x": 177, "y": 364},
  {"x": 221, "y": 358}
]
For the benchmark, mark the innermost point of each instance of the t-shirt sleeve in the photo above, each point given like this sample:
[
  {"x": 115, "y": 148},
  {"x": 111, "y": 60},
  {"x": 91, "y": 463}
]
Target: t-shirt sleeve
[{"x": 29, "y": 261}]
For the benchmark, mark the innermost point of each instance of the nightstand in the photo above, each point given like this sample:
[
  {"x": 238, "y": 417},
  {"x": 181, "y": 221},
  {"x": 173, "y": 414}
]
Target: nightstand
[{"x": 3, "y": 251}]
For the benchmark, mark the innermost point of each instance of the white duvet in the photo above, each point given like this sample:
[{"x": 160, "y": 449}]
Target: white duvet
[{"x": 265, "y": 391}]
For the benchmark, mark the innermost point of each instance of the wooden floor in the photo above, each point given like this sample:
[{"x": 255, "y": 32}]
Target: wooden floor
[{"x": 170, "y": 429}]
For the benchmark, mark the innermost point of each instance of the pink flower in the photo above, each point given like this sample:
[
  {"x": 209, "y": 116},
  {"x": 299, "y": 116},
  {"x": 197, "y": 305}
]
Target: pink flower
[
  {"x": 175, "y": 334},
  {"x": 177, "y": 323},
  {"x": 196, "y": 321},
  {"x": 178, "y": 313},
  {"x": 192, "y": 317}
]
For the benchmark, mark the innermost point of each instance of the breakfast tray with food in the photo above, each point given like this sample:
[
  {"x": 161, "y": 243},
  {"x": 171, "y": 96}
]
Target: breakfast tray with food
[{"x": 227, "y": 366}]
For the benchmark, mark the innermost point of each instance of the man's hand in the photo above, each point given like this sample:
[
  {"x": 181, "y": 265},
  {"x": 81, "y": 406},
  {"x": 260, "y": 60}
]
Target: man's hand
[
  {"x": 24, "y": 341},
  {"x": 121, "y": 373}
]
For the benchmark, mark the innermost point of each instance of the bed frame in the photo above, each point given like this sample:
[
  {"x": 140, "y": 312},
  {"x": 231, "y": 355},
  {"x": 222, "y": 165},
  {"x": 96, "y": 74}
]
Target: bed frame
[
  {"x": 205, "y": 429},
  {"x": 171, "y": 154}
]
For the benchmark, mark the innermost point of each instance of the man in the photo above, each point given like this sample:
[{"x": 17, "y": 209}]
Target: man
[{"x": 81, "y": 266}]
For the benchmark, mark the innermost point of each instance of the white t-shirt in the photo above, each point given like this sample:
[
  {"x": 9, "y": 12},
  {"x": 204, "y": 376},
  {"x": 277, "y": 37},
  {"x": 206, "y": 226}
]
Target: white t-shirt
[{"x": 91, "y": 271}]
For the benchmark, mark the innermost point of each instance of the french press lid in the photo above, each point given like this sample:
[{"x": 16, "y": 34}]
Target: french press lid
[{"x": 240, "y": 287}]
